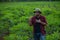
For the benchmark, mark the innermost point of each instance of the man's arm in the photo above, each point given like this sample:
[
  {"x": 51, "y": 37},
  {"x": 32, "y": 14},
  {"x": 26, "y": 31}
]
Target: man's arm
[
  {"x": 30, "y": 21},
  {"x": 44, "y": 22}
]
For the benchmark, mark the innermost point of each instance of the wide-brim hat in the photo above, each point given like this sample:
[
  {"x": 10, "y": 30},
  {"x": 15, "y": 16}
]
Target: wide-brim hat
[{"x": 37, "y": 10}]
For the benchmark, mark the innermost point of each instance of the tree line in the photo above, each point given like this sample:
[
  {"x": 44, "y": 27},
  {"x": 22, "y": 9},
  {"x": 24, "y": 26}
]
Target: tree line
[{"x": 25, "y": 0}]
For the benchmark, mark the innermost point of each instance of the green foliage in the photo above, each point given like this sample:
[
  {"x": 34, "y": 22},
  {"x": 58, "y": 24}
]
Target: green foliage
[{"x": 14, "y": 18}]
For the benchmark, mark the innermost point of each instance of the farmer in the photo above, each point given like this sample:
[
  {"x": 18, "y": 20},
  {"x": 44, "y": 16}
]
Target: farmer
[{"x": 38, "y": 22}]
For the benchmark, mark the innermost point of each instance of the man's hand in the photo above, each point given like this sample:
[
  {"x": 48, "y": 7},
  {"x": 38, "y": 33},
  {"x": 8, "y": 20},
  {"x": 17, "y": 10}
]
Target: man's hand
[{"x": 39, "y": 21}]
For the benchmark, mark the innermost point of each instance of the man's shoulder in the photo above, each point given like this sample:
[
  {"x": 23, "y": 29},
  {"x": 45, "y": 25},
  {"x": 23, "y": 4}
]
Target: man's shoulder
[
  {"x": 42, "y": 16},
  {"x": 33, "y": 17}
]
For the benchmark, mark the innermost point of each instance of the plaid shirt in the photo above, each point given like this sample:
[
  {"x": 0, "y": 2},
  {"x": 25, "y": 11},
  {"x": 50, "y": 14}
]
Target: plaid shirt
[{"x": 42, "y": 18}]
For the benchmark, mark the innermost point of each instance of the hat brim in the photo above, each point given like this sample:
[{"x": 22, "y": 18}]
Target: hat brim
[{"x": 37, "y": 12}]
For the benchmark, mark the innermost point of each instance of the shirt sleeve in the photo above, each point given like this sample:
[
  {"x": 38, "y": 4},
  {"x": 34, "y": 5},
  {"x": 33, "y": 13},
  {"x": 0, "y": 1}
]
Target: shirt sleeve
[
  {"x": 30, "y": 21},
  {"x": 44, "y": 20}
]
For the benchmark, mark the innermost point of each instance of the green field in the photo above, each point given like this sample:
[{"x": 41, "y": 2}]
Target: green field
[{"x": 14, "y": 17}]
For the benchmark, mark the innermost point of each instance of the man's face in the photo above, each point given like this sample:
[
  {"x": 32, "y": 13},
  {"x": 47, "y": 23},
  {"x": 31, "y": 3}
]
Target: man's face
[{"x": 37, "y": 14}]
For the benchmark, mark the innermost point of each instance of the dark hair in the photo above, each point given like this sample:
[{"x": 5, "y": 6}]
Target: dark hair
[{"x": 38, "y": 12}]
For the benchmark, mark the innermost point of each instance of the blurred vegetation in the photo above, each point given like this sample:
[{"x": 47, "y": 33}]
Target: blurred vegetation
[
  {"x": 14, "y": 18},
  {"x": 24, "y": 0}
]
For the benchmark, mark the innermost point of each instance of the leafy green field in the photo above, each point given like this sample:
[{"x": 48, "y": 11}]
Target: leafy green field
[{"x": 14, "y": 17}]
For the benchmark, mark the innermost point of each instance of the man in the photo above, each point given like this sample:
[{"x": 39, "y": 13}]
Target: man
[{"x": 38, "y": 22}]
